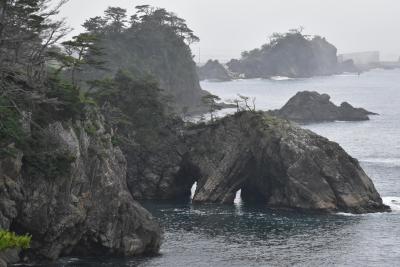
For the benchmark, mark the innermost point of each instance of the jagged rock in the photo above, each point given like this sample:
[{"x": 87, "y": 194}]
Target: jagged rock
[
  {"x": 272, "y": 161},
  {"x": 213, "y": 70},
  {"x": 278, "y": 164},
  {"x": 306, "y": 107},
  {"x": 78, "y": 202}
]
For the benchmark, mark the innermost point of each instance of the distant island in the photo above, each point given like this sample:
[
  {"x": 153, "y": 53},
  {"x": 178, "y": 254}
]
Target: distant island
[
  {"x": 290, "y": 54},
  {"x": 293, "y": 55}
]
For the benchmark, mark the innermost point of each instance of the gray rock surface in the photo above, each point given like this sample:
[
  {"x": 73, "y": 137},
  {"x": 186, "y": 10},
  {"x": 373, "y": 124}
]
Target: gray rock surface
[
  {"x": 78, "y": 202},
  {"x": 279, "y": 164},
  {"x": 269, "y": 159},
  {"x": 307, "y": 107},
  {"x": 161, "y": 172},
  {"x": 9, "y": 256}
]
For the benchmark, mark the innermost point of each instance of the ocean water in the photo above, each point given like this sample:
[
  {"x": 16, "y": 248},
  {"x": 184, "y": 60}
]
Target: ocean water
[{"x": 240, "y": 235}]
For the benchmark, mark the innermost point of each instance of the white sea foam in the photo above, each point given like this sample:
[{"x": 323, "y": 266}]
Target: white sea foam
[
  {"x": 280, "y": 78},
  {"x": 193, "y": 190},
  {"x": 395, "y": 162},
  {"x": 392, "y": 202},
  {"x": 238, "y": 198},
  {"x": 347, "y": 214}
]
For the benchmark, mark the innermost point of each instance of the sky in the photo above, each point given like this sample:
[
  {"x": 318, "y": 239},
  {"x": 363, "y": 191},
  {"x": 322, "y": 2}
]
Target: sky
[{"x": 228, "y": 27}]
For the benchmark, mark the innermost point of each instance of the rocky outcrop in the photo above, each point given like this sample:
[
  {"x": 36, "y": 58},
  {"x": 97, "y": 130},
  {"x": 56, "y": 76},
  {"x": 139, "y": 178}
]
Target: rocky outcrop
[
  {"x": 71, "y": 195},
  {"x": 291, "y": 55},
  {"x": 213, "y": 71},
  {"x": 281, "y": 165},
  {"x": 271, "y": 161},
  {"x": 306, "y": 107}
]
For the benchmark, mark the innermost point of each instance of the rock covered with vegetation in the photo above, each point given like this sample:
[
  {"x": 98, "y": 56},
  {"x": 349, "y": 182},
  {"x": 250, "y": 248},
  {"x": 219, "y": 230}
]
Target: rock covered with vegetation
[
  {"x": 152, "y": 42},
  {"x": 11, "y": 245},
  {"x": 214, "y": 71},
  {"x": 67, "y": 187},
  {"x": 62, "y": 174},
  {"x": 306, "y": 107},
  {"x": 291, "y": 55}
]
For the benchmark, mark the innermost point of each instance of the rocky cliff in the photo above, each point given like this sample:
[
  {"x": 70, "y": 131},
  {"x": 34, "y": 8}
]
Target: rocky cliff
[
  {"x": 270, "y": 160},
  {"x": 306, "y": 107},
  {"x": 70, "y": 193}
]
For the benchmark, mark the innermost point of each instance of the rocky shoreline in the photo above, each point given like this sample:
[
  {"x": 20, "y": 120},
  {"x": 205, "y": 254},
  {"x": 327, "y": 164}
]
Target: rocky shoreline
[
  {"x": 90, "y": 207},
  {"x": 83, "y": 140}
]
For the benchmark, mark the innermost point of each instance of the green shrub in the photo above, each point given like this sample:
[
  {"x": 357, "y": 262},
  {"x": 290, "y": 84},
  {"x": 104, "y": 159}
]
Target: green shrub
[{"x": 11, "y": 240}]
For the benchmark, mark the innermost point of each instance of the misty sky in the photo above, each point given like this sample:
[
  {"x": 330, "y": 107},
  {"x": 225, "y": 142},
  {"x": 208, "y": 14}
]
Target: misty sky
[{"x": 227, "y": 27}]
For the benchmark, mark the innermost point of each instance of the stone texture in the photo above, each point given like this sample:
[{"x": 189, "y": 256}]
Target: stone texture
[
  {"x": 9, "y": 256},
  {"x": 161, "y": 172},
  {"x": 281, "y": 165},
  {"x": 272, "y": 162},
  {"x": 82, "y": 206}
]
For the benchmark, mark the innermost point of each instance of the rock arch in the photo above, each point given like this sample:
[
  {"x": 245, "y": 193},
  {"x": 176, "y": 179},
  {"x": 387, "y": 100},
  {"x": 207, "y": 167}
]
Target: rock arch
[
  {"x": 279, "y": 165},
  {"x": 272, "y": 161}
]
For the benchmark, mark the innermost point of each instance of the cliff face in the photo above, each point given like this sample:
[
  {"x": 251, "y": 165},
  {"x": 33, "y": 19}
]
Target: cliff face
[
  {"x": 213, "y": 70},
  {"x": 71, "y": 196},
  {"x": 272, "y": 162},
  {"x": 306, "y": 107},
  {"x": 291, "y": 55}
]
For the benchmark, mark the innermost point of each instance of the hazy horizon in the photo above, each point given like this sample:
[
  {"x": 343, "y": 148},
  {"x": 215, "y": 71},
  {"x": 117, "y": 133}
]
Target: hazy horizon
[{"x": 226, "y": 28}]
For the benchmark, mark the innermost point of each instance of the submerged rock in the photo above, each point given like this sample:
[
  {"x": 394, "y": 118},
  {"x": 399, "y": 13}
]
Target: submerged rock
[
  {"x": 72, "y": 196},
  {"x": 306, "y": 107},
  {"x": 270, "y": 160}
]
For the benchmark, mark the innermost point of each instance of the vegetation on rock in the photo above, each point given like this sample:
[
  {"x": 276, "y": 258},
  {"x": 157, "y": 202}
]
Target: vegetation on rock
[
  {"x": 55, "y": 150},
  {"x": 291, "y": 54},
  {"x": 152, "y": 42},
  {"x": 9, "y": 240}
]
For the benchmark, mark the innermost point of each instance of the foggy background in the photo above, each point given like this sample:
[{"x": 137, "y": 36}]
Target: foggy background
[{"x": 228, "y": 27}]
